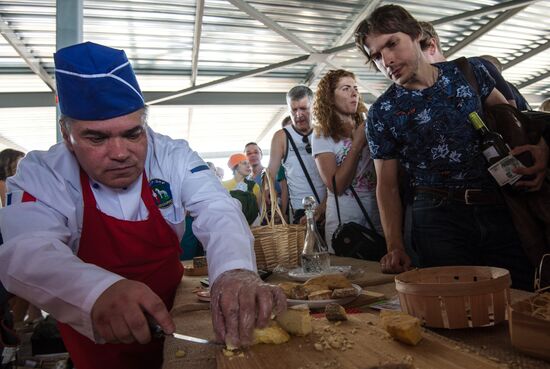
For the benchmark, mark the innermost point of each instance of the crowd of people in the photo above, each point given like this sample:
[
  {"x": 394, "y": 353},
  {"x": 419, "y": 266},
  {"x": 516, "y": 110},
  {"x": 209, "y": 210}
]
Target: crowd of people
[{"x": 106, "y": 208}]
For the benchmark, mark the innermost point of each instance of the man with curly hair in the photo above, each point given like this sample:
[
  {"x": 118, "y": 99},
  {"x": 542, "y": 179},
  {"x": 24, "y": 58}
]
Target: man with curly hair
[{"x": 421, "y": 121}]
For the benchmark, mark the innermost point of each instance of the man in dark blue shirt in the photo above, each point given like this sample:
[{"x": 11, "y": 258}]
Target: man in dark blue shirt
[
  {"x": 421, "y": 121},
  {"x": 519, "y": 101}
]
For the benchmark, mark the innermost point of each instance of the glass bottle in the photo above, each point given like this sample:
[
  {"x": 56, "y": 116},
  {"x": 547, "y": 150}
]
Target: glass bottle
[
  {"x": 315, "y": 257},
  {"x": 497, "y": 154}
]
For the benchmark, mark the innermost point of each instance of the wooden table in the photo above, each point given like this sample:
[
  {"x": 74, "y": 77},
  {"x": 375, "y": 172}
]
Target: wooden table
[{"x": 192, "y": 317}]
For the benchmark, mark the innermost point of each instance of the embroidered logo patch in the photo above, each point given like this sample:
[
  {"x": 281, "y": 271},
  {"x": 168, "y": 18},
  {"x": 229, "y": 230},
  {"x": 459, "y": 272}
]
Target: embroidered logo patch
[{"x": 162, "y": 195}]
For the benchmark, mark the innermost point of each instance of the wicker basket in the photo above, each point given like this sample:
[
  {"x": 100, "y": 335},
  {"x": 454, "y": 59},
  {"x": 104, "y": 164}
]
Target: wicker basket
[
  {"x": 529, "y": 320},
  {"x": 528, "y": 333},
  {"x": 456, "y": 296},
  {"x": 276, "y": 244}
]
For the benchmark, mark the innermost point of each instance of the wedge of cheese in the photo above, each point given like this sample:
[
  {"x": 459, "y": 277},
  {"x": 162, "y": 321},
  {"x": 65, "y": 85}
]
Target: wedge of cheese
[
  {"x": 272, "y": 334},
  {"x": 296, "y": 320},
  {"x": 401, "y": 326},
  {"x": 329, "y": 281}
]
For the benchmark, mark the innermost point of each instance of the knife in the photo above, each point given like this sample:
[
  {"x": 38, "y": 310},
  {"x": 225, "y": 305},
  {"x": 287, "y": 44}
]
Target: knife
[{"x": 157, "y": 332}]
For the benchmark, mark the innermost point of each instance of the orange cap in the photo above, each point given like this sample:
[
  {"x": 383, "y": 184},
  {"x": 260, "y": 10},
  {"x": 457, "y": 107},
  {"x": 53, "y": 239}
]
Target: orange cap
[{"x": 235, "y": 159}]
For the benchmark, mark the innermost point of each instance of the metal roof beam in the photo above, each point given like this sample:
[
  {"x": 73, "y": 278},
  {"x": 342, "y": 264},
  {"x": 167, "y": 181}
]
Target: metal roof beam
[
  {"x": 272, "y": 25},
  {"x": 466, "y": 15},
  {"x": 483, "y": 30},
  {"x": 47, "y": 99},
  {"x": 250, "y": 73},
  {"x": 344, "y": 36},
  {"x": 34, "y": 64},
  {"x": 527, "y": 55},
  {"x": 483, "y": 11},
  {"x": 533, "y": 80},
  {"x": 277, "y": 118},
  {"x": 10, "y": 144},
  {"x": 196, "y": 41}
]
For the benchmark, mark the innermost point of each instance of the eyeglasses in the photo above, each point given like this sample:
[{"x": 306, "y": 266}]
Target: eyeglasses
[{"x": 305, "y": 139}]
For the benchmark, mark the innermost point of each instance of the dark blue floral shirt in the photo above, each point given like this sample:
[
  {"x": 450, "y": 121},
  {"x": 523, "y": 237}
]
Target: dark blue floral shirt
[{"x": 429, "y": 132}]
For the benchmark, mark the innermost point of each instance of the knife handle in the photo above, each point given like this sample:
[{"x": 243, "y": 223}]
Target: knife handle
[{"x": 156, "y": 329}]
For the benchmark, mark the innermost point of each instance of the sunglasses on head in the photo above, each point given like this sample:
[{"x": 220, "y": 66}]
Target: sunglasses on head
[{"x": 305, "y": 139}]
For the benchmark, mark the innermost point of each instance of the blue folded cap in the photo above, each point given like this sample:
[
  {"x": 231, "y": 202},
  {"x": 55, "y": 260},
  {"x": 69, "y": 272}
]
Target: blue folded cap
[{"x": 95, "y": 82}]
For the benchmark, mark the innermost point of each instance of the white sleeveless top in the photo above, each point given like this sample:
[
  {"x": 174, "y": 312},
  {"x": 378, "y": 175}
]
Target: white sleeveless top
[{"x": 298, "y": 186}]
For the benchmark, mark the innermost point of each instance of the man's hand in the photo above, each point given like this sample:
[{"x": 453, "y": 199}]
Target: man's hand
[
  {"x": 395, "y": 261},
  {"x": 241, "y": 301},
  {"x": 539, "y": 152},
  {"x": 118, "y": 314}
]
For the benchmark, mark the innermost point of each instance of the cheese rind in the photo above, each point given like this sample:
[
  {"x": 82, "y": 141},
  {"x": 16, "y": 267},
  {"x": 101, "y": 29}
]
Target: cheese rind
[
  {"x": 320, "y": 295},
  {"x": 287, "y": 288},
  {"x": 401, "y": 326},
  {"x": 296, "y": 320},
  {"x": 335, "y": 312},
  {"x": 329, "y": 281},
  {"x": 343, "y": 292}
]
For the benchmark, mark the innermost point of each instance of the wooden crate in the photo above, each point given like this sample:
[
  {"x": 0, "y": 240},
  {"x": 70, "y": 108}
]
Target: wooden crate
[
  {"x": 455, "y": 296},
  {"x": 528, "y": 333}
]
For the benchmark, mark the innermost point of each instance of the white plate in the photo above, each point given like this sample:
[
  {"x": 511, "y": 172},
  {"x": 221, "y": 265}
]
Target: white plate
[
  {"x": 319, "y": 304},
  {"x": 298, "y": 274}
]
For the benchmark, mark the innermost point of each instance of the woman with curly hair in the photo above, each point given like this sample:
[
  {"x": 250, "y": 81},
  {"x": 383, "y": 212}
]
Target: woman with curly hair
[{"x": 340, "y": 149}]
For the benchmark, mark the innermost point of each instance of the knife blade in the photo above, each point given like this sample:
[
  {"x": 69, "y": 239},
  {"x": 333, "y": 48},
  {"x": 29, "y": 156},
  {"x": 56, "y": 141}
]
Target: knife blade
[
  {"x": 157, "y": 332},
  {"x": 191, "y": 338}
]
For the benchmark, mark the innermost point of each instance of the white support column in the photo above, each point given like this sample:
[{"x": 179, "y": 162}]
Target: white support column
[
  {"x": 68, "y": 26},
  {"x": 196, "y": 41}
]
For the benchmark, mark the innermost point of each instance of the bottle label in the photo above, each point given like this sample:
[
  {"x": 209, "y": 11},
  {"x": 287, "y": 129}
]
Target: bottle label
[
  {"x": 8, "y": 355},
  {"x": 502, "y": 170},
  {"x": 490, "y": 153}
]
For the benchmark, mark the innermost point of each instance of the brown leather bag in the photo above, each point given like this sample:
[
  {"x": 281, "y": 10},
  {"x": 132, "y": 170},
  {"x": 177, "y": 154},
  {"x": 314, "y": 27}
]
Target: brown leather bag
[{"x": 530, "y": 211}]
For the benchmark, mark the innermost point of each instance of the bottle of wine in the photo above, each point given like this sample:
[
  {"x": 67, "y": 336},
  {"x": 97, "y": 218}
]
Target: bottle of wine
[
  {"x": 315, "y": 257},
  {"x": 497, "y": 153}
]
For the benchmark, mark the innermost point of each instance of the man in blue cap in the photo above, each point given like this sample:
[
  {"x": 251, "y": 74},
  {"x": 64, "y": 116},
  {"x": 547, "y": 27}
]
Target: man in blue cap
[{"x": 103, "y": 215}]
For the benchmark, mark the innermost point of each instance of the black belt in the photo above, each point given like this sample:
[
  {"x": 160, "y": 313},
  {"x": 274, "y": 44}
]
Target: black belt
[{"x": 469, "y": 196}]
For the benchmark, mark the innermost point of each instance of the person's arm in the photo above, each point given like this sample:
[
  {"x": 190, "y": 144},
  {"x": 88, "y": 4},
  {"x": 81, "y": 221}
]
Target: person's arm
[
  {"x": 326, "y": 163},
  {"x": 241, "y": 301},
  {"x": 36, "y": 265},
  {"x": 495, "y": 97},
  {"x": 391, "y": 215},
  {"x": 284, "y": 198},
  {"x": 38, "y": 257},
  {"x": 500, "y": 84},
  {"x": 540, "y": 153},
  {"x": 278, "y": 148}
]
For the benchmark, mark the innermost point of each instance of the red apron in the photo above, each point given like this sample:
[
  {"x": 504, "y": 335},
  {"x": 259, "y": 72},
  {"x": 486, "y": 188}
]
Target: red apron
[{"x": 145, "y": 251}]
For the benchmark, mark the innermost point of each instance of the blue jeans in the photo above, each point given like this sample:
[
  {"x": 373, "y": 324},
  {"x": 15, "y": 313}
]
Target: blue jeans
[{"x": 449, "y": 232}]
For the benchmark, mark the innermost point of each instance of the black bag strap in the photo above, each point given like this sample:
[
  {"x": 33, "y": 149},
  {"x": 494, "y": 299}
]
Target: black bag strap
[
  {"x": 336, "y": 199},
  {"x": 363, "y": 210},
  {"x": 287, "y": 133},
  {"x": 464, "y": 65}
]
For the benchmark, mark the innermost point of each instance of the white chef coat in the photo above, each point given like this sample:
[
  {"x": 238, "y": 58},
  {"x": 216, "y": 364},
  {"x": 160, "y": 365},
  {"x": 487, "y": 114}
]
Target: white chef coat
[{"x": 38, "y": 258}]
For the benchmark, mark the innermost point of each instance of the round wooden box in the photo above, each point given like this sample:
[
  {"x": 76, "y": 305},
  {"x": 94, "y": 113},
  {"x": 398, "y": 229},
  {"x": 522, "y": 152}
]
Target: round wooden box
[{"x": 455, "y": 296}]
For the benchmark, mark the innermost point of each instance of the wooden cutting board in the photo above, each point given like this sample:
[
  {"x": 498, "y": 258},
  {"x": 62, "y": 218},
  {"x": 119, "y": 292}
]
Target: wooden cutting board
[{"x": 370, "y": 347}]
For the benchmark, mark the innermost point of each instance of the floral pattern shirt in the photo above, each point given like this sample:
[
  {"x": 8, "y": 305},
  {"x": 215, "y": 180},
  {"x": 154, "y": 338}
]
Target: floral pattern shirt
[
  {"x": 365, "y": 175},
  {"x": 429, "y": 131}
]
